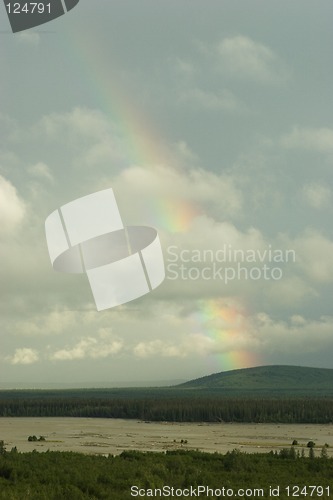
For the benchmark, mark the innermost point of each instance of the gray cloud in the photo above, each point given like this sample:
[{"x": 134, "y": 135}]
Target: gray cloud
[{"x": 215, "y": 132}]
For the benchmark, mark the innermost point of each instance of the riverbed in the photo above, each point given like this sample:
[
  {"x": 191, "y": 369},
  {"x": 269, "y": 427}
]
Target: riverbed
[{"x": 113, "y": 436}]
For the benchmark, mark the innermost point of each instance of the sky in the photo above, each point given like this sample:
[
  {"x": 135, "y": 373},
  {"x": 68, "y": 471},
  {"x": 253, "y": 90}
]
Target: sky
[{"x": 213, "y": 123}]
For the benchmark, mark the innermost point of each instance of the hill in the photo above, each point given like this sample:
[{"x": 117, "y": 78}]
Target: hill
[
  {"x": 267, "y": 378},
  {"x": 284, "y": 394}
]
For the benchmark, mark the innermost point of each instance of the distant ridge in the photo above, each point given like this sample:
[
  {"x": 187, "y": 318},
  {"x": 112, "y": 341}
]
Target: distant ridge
[{"x": 263, "y": 378}]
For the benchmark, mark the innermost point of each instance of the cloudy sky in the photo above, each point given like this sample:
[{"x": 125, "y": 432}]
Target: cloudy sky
[{"x": 212, "y": 122}]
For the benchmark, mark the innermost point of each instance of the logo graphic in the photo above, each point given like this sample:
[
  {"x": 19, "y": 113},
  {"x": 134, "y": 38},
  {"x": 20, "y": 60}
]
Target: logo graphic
[
  {"x": 25, "y": 15},
  {"x": 87, "y": 236}
]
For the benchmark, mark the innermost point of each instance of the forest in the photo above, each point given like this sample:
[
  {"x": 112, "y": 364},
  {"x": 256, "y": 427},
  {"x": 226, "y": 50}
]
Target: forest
[
  {"x": 75, "y": 476},
  {"x": 155, "y": 407}
]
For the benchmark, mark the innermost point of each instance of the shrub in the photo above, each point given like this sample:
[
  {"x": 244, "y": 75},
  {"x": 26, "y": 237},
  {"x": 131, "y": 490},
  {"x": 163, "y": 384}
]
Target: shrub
[{"x": 2, "y": 447}]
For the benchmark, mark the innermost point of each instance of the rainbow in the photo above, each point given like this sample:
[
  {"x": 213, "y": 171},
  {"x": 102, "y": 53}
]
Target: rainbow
[
  {"x": 224, "y": 321},
  {"x": 219, "y": 320},
  {"x": 142, "y": 139},
  {"x": 173, "y": 215}
]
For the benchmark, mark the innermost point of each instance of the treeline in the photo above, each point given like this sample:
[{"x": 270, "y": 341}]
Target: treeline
[
  {"x": 74, "y": 476},
  {"x": 175, "y": 410}
]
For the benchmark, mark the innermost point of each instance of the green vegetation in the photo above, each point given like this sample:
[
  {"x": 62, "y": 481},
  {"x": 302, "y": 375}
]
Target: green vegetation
[
  {"x": 35, "y": 438},
  {"x": 74, "y": 476},
  {"x": 285, "y": 379},
  {"x": 279, "y": 394},
  {"x": 177, "y": 409}
]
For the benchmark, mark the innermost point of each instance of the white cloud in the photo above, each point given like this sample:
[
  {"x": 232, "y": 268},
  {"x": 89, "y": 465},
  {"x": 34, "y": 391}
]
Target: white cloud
[
  {"x": 24, "y": 356},
  {"x": 43, "y": 324},
  {"x": 208, "y": 233},
  {"x": 221, "y": 100},
  {"x": 156, "y": 348},
  {"x": 314, "y": 254},
  {"x": 29, "y": 38},
  {"x": 89, "y": 347},
  {"x": 290, "y": 291},
  {"x": 12, "y": 208},
  {"x": 185, "y": 152},
  {"x": 301, "y": 264},
  {"x": 317, "y": 195},
  {"x": 41, "y": 170},
  {"x": 185, "y": 68},
  {"x": 81, "y": 123},
  {"x": 87, "y": 136},
  {"x": 204, "y": 327},
  {"x": 171, "y": 198},
  {"x": 315, "y": 139},
  {"x": 244, "y": 58},
  {"x": 297, "y": 334},
  {"x": 229, "y": 330},
  {"x": 191, "y": 344}
]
